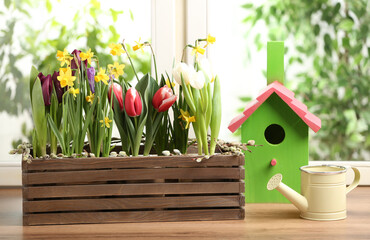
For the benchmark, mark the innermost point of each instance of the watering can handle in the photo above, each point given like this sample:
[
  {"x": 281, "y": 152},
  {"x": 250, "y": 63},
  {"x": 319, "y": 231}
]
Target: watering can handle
[{"x": 356, "y": 180}]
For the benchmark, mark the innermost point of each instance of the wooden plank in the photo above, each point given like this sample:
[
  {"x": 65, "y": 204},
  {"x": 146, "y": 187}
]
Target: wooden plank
[
  {"x": 133, "y": 189},
  {"x": 131, "y": 174},
  {"x": 134, "y": 162},
  {"x": 262, "y": 221},
  {"x": 133, "y": 203},
  {"x": 134, "y": 216}
]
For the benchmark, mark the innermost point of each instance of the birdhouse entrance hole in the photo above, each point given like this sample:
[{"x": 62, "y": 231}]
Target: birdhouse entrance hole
[{"x": 274, "y": 134}]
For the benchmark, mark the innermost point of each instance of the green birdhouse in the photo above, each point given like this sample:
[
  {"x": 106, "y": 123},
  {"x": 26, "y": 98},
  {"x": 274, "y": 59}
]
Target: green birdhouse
[{"x": 279, "y": 122}]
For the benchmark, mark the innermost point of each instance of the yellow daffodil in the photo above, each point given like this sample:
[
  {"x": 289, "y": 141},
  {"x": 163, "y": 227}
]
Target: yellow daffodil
[
  {"x": 87, "y": 56},
  {"x": 65, "y": 77},
  {"x": 186, "y": 117},
  {"x": 196, "y": 50},
  {"x": 105, "y": 122},
  {"x": 116, "y": 69},
  {"x": 101, "y": 76},
  {"x": 90, "y": 98},
  {"x": 169, "y": 84},
  {"x": 74, "y": 91},
  {"x": 64, "y": 57},
  {"x": 116, "y": 49},
  {"x": 138, "y": 46},
  {"x": 210, "y": 40}
]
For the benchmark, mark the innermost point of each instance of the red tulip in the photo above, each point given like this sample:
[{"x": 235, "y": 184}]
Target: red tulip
[
  {"x": 117, "y": 90},
  {"x": 163, "y": 99},
  {"x": 133, "y": 104}
]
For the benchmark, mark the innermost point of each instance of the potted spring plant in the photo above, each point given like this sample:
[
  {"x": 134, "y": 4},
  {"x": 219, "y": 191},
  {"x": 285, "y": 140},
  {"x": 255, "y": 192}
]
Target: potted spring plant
[{"x": 149, "y": 176}]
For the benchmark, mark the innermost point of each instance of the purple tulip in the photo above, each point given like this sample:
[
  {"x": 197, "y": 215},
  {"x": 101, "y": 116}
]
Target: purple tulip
[
  {"x": 58, "y": 89},
  {"x": 90, "y": 77},
  {"x": 76, "y": 54},
  {"x": 47, "y": 88}
]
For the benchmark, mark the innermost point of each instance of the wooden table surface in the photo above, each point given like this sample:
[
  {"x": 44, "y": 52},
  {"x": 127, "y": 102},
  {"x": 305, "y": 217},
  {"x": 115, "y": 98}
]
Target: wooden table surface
[{"x": 263, "y": 221}]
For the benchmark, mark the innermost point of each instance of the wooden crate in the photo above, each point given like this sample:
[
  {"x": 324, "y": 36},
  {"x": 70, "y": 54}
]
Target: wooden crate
[{"x": 132, "y": 189}]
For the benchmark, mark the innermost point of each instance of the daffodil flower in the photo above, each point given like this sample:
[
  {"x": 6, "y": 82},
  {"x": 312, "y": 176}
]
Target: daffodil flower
[
  {"x": 105, "y": 122},
  {"x": 90, "y": 98},
  {"x": 64, "y": 57},
  {"x": 170, "y": 84},
  {"x": 116, "y": 69},
  {"x": 65, "y": 77},
  {"x": 101, "y": 76},
  {"x": 138, "y": 46},
  {"x": 186, "y": 117},
  {"x": 74, "y": 91},
  {"x": 196, "y": 50},
  {"x": 210, "y": 40},
  {"x": 116, "y": 49},
  {"x": 87, "y": 56}
]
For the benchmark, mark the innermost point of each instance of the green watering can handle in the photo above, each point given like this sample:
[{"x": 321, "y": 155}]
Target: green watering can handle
[{"x": 356, "y": 180}]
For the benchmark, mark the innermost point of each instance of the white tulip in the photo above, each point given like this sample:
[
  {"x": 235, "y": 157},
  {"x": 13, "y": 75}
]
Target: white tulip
[
  {"x": 197, "y": 80},
  {"x": 184, "y": 69},
  {"x": 206, "y": 66}
]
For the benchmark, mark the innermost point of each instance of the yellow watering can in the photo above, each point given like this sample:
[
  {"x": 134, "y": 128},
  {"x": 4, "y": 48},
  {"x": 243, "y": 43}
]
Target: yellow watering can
[{"x": 323, "y": 191}]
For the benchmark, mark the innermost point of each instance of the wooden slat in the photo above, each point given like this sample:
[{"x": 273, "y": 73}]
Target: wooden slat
[
  {"x": 133, "y": 203},
  {"x": 131, "y": 174},
  {"x": 134, "y": 162},
  {"x": 133, "y": 216},
  {"x": 132, "y": 189}
]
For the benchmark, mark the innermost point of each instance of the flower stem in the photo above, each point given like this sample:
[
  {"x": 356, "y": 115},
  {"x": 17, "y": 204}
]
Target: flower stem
[
  {"x": 183, "y": 52},
  {"x": 129, "y": 58},
  {"x": 154, "y": 61}
]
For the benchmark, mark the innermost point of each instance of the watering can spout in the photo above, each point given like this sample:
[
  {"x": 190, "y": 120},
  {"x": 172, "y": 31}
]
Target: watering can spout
[{"x": 297, "y": 199}]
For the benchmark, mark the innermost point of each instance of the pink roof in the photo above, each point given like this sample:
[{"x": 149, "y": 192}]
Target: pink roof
[{"x": 287, "y": 96}]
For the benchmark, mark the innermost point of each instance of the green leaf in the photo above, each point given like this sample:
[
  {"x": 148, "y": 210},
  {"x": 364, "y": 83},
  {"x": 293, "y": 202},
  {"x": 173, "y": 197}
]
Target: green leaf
[
  {"x": 48, "y": 5},
  {"x": 7, "y": 3},
  {"x": 245, "y": 99},
  {"x": 87, "y": 123},
  {"x": 247, "y": 5},
  {"x": 346, "y": 25},
  {"x": 33, "y": 76},
  {"x": 316, "y": 29},
  {"x": 131, "y": 15},
  {"x": 38, "y": 114},
  {"x": 56, "y": 133},
  {"x": 115, "y": 14},
  {"x": 216, "y": 114},
  {"x": 345, "y": 42}
]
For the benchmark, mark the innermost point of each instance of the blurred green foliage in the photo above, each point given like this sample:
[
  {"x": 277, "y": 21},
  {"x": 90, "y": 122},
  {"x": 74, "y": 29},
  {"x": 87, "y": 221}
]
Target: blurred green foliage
[
  {"x": 22, "y": 42},
  {"x": 328, "y": 44}
]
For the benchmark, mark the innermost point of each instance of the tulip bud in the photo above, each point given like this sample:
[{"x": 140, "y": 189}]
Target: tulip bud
[
  {"x": 58, "y": 89},
  {"x": 197, "y": 80},
  {"x": 184, "y": 70},
  {"x": 163, "y": 99},
  {"x": 47, "y": 88},
  {"x": 76, "y": 55},
  {"x": 117, "y": 90},
  {"x": 91, "y": 77},
  {"x": 205, "y": 65},
  {"x": 133, "y": 104}
]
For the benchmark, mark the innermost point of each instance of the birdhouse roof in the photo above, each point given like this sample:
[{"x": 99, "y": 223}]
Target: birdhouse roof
[{"x": 287, "y": 96}]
